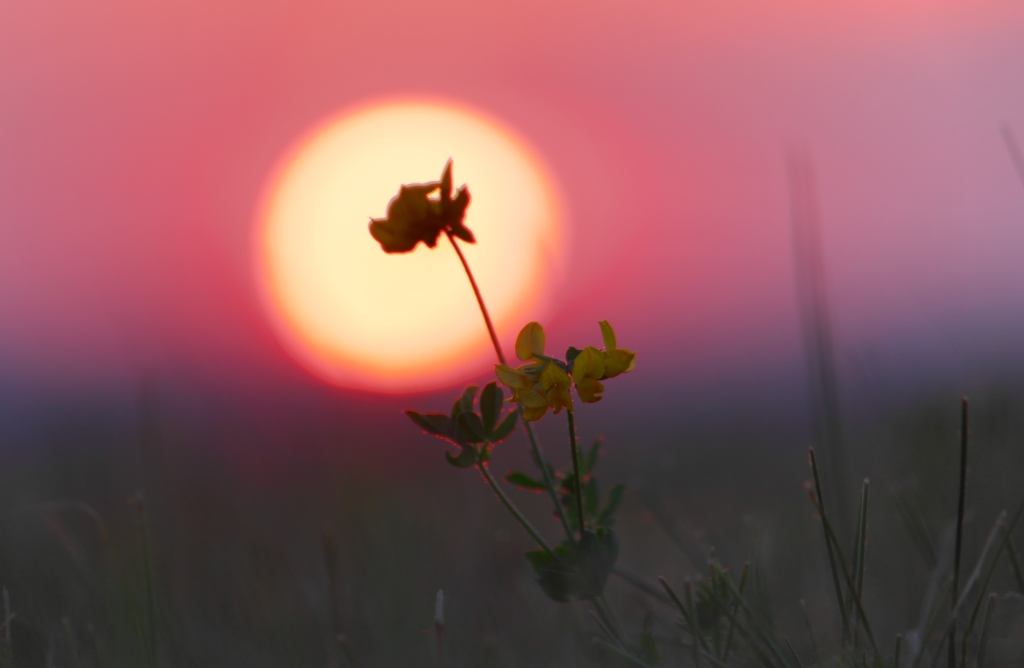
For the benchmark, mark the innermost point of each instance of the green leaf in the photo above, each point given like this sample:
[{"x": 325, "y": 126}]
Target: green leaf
[
  {"x": 465, "y": 402},
  {"x": 432, "y": 423},
  {"x": 491, "y": 401},
  {"x": 466, "y": 458},
  {"x": 607, "y": 516},
  {"x": 558, "y": 576},
  {"x": 505, "y": 428},
  {"x": 468, "y": 428},
  {"x": 523, "y": 481},
  {"x": 596, "y": 554},
  {"x": 648, "y": 646}
]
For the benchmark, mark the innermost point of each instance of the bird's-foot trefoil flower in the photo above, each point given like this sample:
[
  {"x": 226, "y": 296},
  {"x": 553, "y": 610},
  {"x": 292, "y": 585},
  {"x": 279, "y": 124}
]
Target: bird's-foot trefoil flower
[
  {"x": 591, "y": 365},
  {"x": 414, "y": 216},
  {"x": 544, "y": 382}
]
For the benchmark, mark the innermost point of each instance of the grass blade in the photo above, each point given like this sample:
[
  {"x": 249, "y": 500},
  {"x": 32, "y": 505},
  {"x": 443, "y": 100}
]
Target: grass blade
[
  {"x": 1015, "y": 562},
  {"x": 975, "y": 574},
  {"x": 849, "y": 584},
  {"x": 985, "y": 625},
  {"x": 810, "y": 632},
  {"x": 796, "y": 657},
  {"x": 959, "y": 526},
  {"x": 819, "y": 501},
  {"x": 728, "y": 636}
]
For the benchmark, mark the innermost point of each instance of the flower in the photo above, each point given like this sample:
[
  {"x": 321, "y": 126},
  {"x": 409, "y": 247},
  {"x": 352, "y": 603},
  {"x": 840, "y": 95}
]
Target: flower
[
  {"x": 414, "y": 217},
  {"x": 545, "y": 382},
  {"x": 539, "y": 385},
  {"x": 592, "y": 365}
]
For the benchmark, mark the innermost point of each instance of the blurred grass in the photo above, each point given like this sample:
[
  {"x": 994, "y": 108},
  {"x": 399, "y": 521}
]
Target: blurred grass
[{"x": 240, "y": 578}]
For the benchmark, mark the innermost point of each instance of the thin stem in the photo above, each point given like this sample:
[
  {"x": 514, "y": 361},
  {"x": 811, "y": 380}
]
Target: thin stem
[
  {"x": 576, "y": 470},
  {"x": 549, "y": 478},
  {"x": 959, "y": 526},
  {"x": 538, "y": 454},
  {"x": 479, "y": 298},
  {"x": 515, "y": 511}
]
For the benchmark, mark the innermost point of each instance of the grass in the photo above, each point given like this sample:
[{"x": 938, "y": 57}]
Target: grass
[{"x": 240, "y": 576}]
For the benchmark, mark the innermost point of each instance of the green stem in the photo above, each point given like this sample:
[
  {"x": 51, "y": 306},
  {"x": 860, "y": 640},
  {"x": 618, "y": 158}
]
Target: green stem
[
  {"x": 479, "y": 298},
  {"x": 549, "y": 478},
  {"x": 538, "y": 454},
  {"x": 515, "y": 511},
  {"x": 576, "y": 470}
]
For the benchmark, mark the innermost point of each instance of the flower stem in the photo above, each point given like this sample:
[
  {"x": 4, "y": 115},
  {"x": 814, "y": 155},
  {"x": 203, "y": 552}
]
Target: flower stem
[
  {"x": 479, "y": 298},
  {"x": 576, "y": 469},
  {"x": 512, "y": 509},
  {"x": 538, "y": 454}
]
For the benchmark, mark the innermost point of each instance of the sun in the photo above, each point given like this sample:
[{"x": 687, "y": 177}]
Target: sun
[{"x": 359, "y": 318}]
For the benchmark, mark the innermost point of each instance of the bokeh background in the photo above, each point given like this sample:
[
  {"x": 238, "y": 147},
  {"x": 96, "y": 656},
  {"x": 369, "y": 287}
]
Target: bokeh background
[{"x": 136, "y": 138}]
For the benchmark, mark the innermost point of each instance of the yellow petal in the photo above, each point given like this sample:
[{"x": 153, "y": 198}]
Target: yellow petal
[
  {"x": 588, "y": 364},
  {"x": 532, "y": 398},
  {"x": 608, "y": 334},
  {"x": 534, "y": 414},
  {"x": 618, "y": 361},
  {"x": 589, "y": 390},
  {"x": 530, "y": 341},
  {"x": 513, "y": 378},
  {"x": 553, "y": 376}
]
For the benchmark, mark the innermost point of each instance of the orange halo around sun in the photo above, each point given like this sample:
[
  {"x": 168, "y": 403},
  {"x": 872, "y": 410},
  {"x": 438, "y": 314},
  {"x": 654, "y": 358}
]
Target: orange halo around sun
[{"x": 360, "y": 318}]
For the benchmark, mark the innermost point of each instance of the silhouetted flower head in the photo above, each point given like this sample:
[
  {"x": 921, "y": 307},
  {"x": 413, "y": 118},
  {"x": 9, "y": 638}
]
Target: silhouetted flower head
[{"x": 415, "y": 216}]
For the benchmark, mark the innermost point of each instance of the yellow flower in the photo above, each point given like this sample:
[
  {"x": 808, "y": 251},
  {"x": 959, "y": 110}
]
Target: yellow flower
[
  {"x": 537, "y": 388},
  {"x": 539, "y": 385},
  {"x": 587, "y": 370},
  {"x": 616, "y": 360},
  {"x": 592, "y": 365}
]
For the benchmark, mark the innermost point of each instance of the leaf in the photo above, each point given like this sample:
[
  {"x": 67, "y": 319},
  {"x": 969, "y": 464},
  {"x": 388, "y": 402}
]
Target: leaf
[
  {"x": 558, "y": 576},
  {"x": 432, "y": 423},
  {"x": 466, "y": 458},
  {"x": 596, "y": 554},
  {"x": 491, "y": 401},
  {"x": 576, "y": 572},
  {"x": 465, "y": 402},
  {"x": 468, "y": 428},
  {"x": 505, "y": 428},
  {"x": 523, "y": 481},
  {"x": 607, "y": 516},
  {"x": 648, "y": 646}
]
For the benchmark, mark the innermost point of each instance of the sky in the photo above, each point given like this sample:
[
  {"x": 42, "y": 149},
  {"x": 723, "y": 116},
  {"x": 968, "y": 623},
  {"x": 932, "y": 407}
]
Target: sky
[{"x": 136, "y": 138}]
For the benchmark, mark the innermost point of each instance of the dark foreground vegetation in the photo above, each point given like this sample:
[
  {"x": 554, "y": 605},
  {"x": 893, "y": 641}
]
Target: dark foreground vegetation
[{"x": 138, "y": 541}]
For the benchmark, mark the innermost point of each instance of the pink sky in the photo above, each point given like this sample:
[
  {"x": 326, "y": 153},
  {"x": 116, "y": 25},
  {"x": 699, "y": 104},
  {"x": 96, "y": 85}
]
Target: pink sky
[{"x": 135, "y": 138}]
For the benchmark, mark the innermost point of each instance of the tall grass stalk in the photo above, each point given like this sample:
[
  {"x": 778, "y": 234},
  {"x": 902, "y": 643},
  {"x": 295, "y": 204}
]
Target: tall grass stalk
[
  {"x": 985, "y": 626},
  {"x": 819, "y": 500},
  {"x": 959, "y": 525}
]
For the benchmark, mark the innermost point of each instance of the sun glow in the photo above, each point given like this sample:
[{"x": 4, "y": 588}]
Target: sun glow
[{"x": 360, "y": 318}]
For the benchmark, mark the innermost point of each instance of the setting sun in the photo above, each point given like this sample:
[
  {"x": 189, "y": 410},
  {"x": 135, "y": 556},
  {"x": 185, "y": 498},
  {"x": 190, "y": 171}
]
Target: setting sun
[{"x": 359, "y": 318}]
